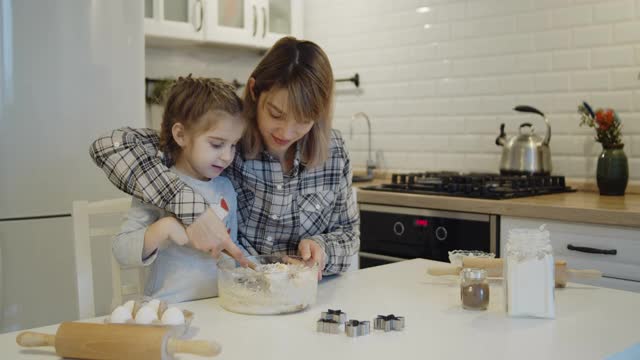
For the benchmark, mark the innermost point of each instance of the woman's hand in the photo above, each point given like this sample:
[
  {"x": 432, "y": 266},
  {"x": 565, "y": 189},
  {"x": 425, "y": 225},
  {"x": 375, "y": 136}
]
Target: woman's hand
[
  {"x": 209, "y": 234},
  {"x": 310, "y": 250}
]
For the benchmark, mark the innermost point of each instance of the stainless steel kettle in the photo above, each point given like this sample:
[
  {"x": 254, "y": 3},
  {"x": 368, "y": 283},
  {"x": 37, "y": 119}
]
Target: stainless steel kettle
[{"x": 526, "y": 153}]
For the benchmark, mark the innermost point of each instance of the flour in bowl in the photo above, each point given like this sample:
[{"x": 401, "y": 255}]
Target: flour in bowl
[{"x": 272, "y": 289}]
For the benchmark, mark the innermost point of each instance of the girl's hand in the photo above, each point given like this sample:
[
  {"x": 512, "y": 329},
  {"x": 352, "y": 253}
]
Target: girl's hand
[
  {"x": 209, "y": 234},
  {"x": 310, "y": 250},
  {"x": 162, "y": 231},
  {"x": 175, "y": 231}
]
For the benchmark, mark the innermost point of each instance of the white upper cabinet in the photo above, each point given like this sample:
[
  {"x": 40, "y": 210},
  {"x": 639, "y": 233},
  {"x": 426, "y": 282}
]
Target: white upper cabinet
[
  {"x": 282, "y": 17},
  {"x": 247, "y": 23},
  {"x": 174, "y": 19},
  {"x": 252, "y": 23}
]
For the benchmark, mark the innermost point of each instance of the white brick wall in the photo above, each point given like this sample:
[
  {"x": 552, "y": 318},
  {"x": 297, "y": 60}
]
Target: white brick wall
[{"x": 437, "y": 95}]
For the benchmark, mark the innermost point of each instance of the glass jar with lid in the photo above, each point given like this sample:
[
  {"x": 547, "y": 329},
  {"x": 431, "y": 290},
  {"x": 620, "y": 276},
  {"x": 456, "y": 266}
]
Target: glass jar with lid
[{"x": 474, "y": 289}]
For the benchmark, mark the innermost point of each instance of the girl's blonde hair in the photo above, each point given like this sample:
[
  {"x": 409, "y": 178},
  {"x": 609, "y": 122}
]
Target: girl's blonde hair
[
  {"x": 188, "y": 100},
  {"x": 303, "y": 70}
]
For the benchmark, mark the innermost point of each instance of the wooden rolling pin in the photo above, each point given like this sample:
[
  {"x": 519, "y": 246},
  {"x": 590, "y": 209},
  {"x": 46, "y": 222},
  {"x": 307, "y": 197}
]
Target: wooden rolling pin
[
  {"x": 116, "y": 341},
  {"x": 494, "y": 269}
]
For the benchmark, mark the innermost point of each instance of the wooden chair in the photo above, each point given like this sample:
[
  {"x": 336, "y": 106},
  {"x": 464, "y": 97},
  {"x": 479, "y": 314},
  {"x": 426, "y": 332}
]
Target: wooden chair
[{"x": 87, "y": 224}]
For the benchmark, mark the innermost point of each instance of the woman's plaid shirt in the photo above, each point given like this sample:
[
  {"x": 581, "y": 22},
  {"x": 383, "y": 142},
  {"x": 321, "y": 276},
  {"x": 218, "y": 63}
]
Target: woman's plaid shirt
[{"x": 276, "y": 211}]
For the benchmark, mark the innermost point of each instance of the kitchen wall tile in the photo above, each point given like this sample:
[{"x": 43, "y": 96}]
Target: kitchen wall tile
[
  {"x": 630, "y": 123},
  {"x": 590, "y": 80},
  {"x": 634, "y": 168},
  {"x": 484, "y": 144},
  {"x": 613, "y": 11},
  {"x": 449, "y": 12},
  {"x": 538, "y": 62},
  {"x": 548, "y": 40},
  {"x": 437, "y": 95},
  {"x": 570, "y": 60},
  {"x": 482, "y": 162},
  {"x": 534, "y": 21},
  {"x": 612, "y": 57},
  {"x": 592, "y": 36},
  {"x": 568, "y": 103},
  {"x": 620, "y": 101},
  {"x": 449, "y": 86},
  {"x": 549, "y": 4},
  {"x": 449, "y": 162},
  {"x": 635, "y": 148},
  {"x": 474, "y": 124},
  {"x": 625, "y": 78},
  {"x": 552, "y": 82},
  {"x": 516, "y": 84},
  {"x": 482, "y": 86},
  {"x": 483, "y": 27},
  {"x": 627, "y": 32},
  {"x": 570, "y": 17}
]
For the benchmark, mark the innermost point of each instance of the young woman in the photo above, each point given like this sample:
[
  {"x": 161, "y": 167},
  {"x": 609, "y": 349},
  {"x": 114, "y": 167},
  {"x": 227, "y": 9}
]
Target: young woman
[{"x": 292, "y": 172}]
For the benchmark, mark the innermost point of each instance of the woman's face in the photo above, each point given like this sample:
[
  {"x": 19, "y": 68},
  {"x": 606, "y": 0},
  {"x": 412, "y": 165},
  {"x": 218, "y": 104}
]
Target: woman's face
[{"x": 279, "y": 129}]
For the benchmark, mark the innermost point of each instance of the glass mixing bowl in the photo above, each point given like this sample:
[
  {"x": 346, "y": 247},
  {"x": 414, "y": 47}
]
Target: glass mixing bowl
[{"x": 281, "y": 284}]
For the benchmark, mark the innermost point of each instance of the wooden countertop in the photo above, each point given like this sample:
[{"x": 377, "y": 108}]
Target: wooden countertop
[{"x": 582, "y": 206}]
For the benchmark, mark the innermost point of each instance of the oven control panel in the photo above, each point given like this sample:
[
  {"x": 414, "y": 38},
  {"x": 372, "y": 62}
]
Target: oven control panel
[{"x": 394, "y": 233}]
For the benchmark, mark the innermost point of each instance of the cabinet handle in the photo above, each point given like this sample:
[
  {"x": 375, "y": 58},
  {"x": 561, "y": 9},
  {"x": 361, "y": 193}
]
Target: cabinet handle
[
  {"x": 255, "y": 21},
  {"x": 200, "y": 6},
  {"x": 592, "y": 250},
  {"x": 264, "y": 22}
]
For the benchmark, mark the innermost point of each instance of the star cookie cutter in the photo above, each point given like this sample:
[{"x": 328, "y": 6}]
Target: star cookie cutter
[
  {"x": 355, "y": 328},
  {"x": 335, "y": 315},
  {"x": 388, "y": 323},
  {"x": 328, "y": 326}
]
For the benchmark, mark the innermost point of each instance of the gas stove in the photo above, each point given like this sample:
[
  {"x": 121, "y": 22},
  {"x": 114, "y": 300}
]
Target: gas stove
[{"x": 474, "y": 185}]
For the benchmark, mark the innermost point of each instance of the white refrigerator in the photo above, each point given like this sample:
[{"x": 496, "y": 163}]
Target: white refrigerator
[{"x": 69, "y": 71}]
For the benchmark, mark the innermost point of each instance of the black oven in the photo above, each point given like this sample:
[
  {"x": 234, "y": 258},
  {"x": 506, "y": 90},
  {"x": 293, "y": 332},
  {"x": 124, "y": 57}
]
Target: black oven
[{"x": 392, "y": 233}]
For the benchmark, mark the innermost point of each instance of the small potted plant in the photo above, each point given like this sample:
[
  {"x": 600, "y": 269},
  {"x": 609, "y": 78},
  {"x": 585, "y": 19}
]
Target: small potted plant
[{"x": 613, "y": 168}]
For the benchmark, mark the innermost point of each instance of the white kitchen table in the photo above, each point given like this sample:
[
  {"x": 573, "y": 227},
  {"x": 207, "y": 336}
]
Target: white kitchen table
[{"x": 591, "y": 323}]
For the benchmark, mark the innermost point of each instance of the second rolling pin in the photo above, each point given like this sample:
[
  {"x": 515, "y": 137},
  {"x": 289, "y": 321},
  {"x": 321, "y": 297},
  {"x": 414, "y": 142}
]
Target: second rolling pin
[{"x": 494, "y": 269}]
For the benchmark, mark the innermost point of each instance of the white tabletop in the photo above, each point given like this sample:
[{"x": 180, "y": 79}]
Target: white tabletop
[{"x": 591, "y": 323}]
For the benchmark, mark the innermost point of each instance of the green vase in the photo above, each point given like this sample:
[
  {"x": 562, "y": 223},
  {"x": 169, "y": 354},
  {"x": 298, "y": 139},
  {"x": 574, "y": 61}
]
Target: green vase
[{"x": 613, "y": 170}]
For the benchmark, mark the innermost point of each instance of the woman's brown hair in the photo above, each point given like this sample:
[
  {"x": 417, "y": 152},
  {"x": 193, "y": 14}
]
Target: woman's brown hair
[
  {"x": 188, "y": 100},
  {"x": 303, "y": 70}
]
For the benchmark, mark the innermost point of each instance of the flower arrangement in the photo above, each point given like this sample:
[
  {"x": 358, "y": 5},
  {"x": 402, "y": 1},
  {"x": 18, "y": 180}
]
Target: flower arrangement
[{"x": 606, "y": 122}]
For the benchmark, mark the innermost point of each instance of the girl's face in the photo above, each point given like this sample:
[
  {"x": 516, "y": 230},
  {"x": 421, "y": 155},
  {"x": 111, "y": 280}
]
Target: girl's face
[
  {"x": 279, "y": 129},
  {"x": 207, "y": 153}
]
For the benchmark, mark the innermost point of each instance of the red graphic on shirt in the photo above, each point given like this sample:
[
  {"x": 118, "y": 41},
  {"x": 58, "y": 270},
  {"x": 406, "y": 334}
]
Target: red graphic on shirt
[{"x": 224, "y": 205}]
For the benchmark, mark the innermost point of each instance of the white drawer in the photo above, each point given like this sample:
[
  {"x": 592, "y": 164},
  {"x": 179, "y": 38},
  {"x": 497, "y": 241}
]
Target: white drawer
[{"x": 625, "y": 264}]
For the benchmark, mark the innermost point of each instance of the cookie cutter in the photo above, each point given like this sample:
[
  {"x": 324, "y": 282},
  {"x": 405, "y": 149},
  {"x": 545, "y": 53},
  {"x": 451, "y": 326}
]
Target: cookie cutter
[
  {"x": 388, "y": 323},
  {"x": 355, "y": 328},
  {"x": 328, "y": 326},
  {"x": 335, "y": 315}
]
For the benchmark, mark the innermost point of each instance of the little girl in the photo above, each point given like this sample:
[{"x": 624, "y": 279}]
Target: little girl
[{"x": 201, "y": 124}]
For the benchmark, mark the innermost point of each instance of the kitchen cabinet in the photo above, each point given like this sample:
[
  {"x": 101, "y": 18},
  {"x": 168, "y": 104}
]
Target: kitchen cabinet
[
  {"x": 246, "y": 23},
  {"x": 621, "y": 270},
  {"x": 174, "y": 19},
  {"x": 252, "y": 23}
]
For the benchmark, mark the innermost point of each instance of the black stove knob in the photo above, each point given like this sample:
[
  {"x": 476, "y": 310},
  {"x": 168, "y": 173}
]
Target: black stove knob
[
  {"x": 441, "y": 233},
  {"x": 394, "y": 178},
  {"x": 403, "y": 178}
]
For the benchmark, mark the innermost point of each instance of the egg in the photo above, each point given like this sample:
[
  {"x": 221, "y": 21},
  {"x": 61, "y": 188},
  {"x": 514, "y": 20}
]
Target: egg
[
  {"x": 120, "y": 315},
  {"x": 173, "y": 316},
  {"x": 129, "y": 305},
  {"x": 146, "y": 315},
  {"x": 155, "y": 303}
]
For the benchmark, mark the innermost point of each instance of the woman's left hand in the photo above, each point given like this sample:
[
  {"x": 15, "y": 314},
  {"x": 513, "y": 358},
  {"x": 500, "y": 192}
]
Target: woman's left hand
[{"x": 310, "y": 250}]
